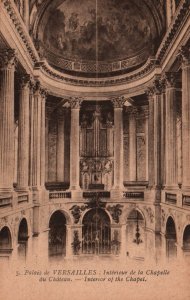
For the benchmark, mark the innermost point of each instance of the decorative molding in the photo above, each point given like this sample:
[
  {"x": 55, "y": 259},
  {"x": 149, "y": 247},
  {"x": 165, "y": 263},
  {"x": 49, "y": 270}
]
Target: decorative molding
[
  {"x": 149, "y": 66},
  {"x": 116, "y": 211}
]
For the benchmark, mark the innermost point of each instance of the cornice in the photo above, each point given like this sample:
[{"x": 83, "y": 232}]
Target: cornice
[
  {"x": 20, "y": 27},
  {"x": 148, "y": 68},
  {"x": 181, "y": 14}
]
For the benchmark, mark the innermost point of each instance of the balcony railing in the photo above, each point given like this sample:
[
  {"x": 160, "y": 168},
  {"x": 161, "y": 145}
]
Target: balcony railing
[
  {"x": 96, "y": 194},
  {"x": 23, "y": 198},
  {"x": 133, "y": 195},
  {"x": 186, "y": 200},
  {"x": 171, "y": 198},
  {"x": 5, "y": 201},
  {"x": 59, "y": 195}
]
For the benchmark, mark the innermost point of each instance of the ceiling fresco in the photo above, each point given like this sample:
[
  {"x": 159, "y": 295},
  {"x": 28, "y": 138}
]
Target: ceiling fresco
[{"x": 98, "y": 30}]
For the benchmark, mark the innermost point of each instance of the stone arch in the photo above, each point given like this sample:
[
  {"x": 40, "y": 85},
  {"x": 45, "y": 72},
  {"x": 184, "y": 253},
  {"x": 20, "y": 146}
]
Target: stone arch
[
  {"x": 128, "y": 211},
  {"x": 57, "y": 234},
  {"x": 66, "y": 214},
  {"x": 135, "y": 234},
  {"x": 86, "y": 211},
  {"x": 22, "y": 238},
  {"x": 5, "y": 240},
  {"x": 171, "y": 238},
  {"x": 96, "y": 232}
]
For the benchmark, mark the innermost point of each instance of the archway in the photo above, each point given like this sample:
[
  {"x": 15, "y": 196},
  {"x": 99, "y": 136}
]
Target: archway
[
  {"x": 22, "y": 239},
  {"x": 96, "y": 232},
  {"x": 136, "y": 239},
  {"x": 186, "y": 243},
  {"x": 171, "y": 239},
  {"x": 57, "y": 235},
  {"x": 5, "y": 245},
  {"x": 5, "y": 240}
]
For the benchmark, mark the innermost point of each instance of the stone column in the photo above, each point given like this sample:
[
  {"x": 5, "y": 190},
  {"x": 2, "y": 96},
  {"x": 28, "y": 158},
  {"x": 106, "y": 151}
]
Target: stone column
[
  {"x": 132, "y": 144},
  {"x": 60, "y": 146},
  {"x": 163, "y": 132},
  {"x": 7, "y": 67},
  {"x": 150, "y": 138},
  {"x": 170, "y": 142},
  {"x": 154, "y": 136},
  {"x": 157, "y": 133},
  {"x": 43, "y": 138},
  {"x": 146, "y": 114},
  {"x": 74, "y": 144},
  {"x": 185, "y": 52},
  {"x": 38, "y": 142},
  {"x": 118, "y": 142},
  {"x": 23, "y": 135}
]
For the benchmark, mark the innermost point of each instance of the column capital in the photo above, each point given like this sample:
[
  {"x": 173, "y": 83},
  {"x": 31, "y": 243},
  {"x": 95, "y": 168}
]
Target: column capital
[
  {"x": 8, "y": 58},
  {"x": 132, "y": 111},
  {"x": 39, "y": 90},
  {"x": 118, "y": 102},
  {"x": 25, "y": 81},
  {"x": 170, "y": 79},
  {"x": 184, "y": 54},
  {"x": 76, "y": 102},
  {"x": 155, "y": 89}
]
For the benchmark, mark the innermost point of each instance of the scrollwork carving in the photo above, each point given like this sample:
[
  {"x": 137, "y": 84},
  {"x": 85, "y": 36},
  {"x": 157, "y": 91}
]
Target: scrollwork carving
[
  {"x": 115, "y": 211},
  {"x": 76, "y": 211}
]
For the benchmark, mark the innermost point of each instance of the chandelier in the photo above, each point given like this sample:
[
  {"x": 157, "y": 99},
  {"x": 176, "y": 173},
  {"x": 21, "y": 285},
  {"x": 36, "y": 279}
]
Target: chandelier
[{"x": 137, "y": 239}]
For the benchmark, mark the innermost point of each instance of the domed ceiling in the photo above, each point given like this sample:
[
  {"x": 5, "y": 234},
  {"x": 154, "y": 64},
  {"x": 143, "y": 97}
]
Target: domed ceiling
[{"x": 98, "y": 35}]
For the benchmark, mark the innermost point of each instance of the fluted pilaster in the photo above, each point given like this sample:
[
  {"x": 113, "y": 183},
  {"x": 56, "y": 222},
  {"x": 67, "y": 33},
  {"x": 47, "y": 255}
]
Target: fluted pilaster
[
  {"x": 7, "y": 66},
  {"x": 170, "y": 142},
  {"x": 74, "y": 144},
  {"x": 185, "y": 54},
  {"x": 154, "y": 136},
  {"x": 23, "y": 134},
  {"x": 118, "y": 141},
  {"x": 60, "y": 146},
  {"x": 132, "y": 144}
]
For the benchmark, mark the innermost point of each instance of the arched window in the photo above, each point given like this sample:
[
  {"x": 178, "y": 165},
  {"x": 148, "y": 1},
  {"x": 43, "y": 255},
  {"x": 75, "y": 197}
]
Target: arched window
[
  {"x": 171, "y": 239},
  {"x": 23, "y": 239},
  {"x": 96, "y": 233},
  {"x": 57, "y": 234}
]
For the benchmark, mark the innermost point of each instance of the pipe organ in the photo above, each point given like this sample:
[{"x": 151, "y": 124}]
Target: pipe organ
[{"x": 96, "y": 147}]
